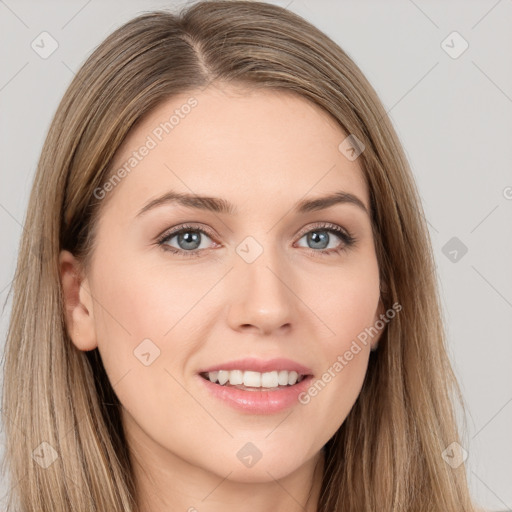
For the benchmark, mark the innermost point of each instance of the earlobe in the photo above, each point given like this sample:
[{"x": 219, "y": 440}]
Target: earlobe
[{"x": 78, "y": 303}]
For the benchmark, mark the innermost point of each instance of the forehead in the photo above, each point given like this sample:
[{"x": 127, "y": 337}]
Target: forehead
[{"x": 237, "y": 144}]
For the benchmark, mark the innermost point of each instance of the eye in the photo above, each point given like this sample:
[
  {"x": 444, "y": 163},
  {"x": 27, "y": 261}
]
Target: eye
[
  {"x": 188, "y": 239},
  {"x": 321, "y": 240}
]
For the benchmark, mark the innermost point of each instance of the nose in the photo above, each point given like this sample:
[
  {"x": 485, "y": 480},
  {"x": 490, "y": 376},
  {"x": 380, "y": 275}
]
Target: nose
[{"x": 261, "y": 295}]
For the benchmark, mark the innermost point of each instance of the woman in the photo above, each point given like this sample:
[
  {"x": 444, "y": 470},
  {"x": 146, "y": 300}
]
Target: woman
[{"x": 225, "y": 295}]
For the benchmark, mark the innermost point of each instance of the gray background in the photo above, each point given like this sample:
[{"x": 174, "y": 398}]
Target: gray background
[{"x": 452, "y": 115}]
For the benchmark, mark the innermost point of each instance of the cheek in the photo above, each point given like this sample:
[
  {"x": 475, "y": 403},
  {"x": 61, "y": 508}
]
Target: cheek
[
  {"x": 132, "y": 314},
  {"x": 147, "y": 320},
  {"x": 135, "y": 302},
  {"x": 349, "y": 308},
  {"x": 346, "y": 301},
  {"x": 143, "y": 319}
]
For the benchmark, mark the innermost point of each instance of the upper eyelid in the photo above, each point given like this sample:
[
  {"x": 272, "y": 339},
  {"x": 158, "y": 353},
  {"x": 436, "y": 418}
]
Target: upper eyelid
[
  {"x": 323, "y": 225},
  {"x": 186, "y": 227}
]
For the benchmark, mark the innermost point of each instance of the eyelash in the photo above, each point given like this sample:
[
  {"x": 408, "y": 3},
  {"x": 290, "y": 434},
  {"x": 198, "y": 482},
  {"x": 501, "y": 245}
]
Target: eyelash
[{"x": 347, "y": 238}]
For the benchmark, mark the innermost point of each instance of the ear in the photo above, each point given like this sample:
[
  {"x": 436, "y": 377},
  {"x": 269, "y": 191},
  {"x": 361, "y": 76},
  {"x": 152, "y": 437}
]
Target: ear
[{"x": 78, "y": 303}]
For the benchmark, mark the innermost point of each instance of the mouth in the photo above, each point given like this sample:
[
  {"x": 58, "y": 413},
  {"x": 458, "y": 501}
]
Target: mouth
[
  {"x": 252, "y": 392},
  {"x": 256, "y": 386},
  {"x": 248, "y": 380}
]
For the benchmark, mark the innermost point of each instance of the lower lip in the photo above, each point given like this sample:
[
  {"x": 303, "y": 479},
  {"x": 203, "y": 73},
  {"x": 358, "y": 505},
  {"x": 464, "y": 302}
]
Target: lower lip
[{"x": 258, "y": 402}]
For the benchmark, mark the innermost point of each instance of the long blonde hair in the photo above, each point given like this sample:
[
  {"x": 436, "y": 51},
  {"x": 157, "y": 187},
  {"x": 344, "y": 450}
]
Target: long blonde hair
[{"x": 387, "y": 455}]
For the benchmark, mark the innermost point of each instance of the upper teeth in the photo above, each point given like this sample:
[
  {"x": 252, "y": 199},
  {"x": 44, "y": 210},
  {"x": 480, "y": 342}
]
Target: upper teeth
[{"x": 255, "y": 379}]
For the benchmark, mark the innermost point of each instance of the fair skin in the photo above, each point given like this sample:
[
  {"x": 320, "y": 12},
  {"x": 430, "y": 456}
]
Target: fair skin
[{"x": 262, "y": 151}]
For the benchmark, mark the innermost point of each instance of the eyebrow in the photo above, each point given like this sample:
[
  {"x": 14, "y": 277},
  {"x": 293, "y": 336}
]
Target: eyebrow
[{"x": 218, "y": 205}]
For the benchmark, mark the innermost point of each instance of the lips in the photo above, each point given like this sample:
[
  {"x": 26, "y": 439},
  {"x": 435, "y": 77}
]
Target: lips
[{"x": 267, "y": 397}]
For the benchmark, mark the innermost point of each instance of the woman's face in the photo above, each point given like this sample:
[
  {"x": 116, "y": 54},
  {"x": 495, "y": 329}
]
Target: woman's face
[{"x": 262, "y": 280}]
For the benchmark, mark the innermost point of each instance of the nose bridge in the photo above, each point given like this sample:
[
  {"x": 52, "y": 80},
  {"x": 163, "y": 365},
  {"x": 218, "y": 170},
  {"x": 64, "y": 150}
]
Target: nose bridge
[{"x": 263, "y": 298}]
